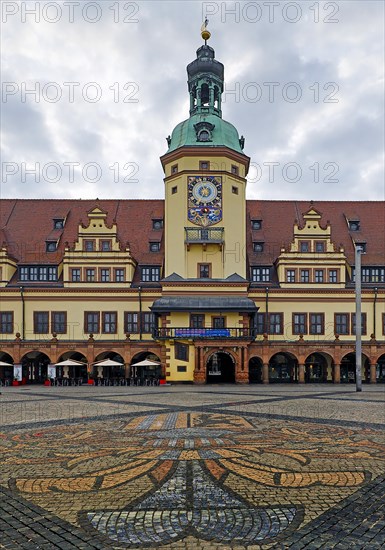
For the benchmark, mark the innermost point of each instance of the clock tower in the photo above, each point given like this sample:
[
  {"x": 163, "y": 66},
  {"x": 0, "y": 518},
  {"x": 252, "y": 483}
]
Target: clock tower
[{"x": 205, "y": 182}]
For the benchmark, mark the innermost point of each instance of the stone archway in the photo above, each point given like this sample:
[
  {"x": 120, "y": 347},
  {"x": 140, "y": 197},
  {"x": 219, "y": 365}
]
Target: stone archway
[
  {"x": 35, "y": 367},
  {"x": 283, "y": 368},
  {"x": 316, "y": 368},
  {"x": 220, "y": 368},
  {"x": 108, "y": 372},
  {"x": 348, "y": 369},
  {"x": 255, "y": 370},
  {"x": 72, "y": 372},
  {"x": 142, "y": 374}
]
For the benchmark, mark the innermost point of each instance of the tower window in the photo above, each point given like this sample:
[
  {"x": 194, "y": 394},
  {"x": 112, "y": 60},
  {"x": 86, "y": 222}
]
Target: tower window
[
  {"x": 204, "y": 271},
  {"x": 174, "y": 169},
  {"x": 234, "y": 190},
  {"x": 174, "y": 190},
  {"x": 204, "y": 135},
  {"x": 234, "y": 170},
  {"x": 204, "y": 165}
]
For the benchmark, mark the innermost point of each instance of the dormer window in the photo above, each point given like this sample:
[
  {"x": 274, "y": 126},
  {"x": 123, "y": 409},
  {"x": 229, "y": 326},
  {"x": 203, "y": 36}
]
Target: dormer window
[
  {"x": 258, "y": 247},
  {"x": 51, "y": 246},
  {"x": 157, "y": 224},
  {"x": 58, "y": 223},
  {"x": 256, "y": 224},
  {"x": 354, "y": 225},
  {"x": 154, "y": 247}
]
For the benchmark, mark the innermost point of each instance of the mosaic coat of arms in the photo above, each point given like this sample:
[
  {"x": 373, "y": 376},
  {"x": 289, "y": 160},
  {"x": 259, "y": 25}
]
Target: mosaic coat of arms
[
  {"x": 204, "y": 200},
  {"x": 155, "y": 479}
]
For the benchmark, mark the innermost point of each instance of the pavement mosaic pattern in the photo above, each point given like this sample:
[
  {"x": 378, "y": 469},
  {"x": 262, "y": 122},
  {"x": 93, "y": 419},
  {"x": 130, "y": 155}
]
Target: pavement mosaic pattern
[{"x": 211, "y": 473}]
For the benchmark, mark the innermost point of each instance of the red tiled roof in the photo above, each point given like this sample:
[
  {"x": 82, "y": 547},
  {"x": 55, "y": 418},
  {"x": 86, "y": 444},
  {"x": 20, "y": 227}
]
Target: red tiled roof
[{"x": 25, "y": 225}]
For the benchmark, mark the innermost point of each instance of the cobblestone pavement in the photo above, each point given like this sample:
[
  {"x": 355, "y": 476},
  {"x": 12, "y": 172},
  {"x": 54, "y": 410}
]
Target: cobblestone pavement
[{"x": 188, "y": 467}]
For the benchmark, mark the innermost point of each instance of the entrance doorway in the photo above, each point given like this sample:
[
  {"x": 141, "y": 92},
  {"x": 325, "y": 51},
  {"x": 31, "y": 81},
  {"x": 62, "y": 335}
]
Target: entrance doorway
[
  {"x": 220, "y": 368},
  {"x": 35, "y": 367},
  {"x": 255, "y": 370}
]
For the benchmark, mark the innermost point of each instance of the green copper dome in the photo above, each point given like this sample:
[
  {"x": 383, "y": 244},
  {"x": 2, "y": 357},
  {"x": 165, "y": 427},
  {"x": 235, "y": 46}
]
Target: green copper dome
[{"x": 187, "y": 133}]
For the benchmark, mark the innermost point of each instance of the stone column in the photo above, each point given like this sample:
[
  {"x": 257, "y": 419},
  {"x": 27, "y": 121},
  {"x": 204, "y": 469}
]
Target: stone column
[
  {"x": 199, "y": 371},
  {"x": 373, "y": 379},
  {"x": 301, "y": 373},
  {"x": 265, "y": 373},
  {"x": 337, "y": 373},
  {"x": 241, "y": 372}
]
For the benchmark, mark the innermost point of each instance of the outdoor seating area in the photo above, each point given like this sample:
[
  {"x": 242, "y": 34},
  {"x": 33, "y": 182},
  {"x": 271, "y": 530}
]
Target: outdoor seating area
[{"x": 71, "y": 372}]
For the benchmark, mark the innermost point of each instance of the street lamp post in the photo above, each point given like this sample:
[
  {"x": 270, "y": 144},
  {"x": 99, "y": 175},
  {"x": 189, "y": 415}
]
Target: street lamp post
[{"x": 358, "y": 318}]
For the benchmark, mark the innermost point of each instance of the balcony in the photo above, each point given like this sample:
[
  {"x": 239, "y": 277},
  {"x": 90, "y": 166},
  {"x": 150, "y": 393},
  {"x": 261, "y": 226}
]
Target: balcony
[
  {"x": 174, "y": 333},
  {"x": 212, "y": 235}
]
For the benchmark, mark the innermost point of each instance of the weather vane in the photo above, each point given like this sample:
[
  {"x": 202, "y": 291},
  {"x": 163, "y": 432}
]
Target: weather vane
[{"x": 204, "y": 32}]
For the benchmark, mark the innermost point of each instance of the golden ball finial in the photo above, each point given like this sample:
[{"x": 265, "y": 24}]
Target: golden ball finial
[{"x": 204, "y": 32}]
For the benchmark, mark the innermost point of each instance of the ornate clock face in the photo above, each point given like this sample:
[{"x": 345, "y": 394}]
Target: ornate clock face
[
  {"x": 204, "y": 191},
  {"x": 204, "y": 200}
]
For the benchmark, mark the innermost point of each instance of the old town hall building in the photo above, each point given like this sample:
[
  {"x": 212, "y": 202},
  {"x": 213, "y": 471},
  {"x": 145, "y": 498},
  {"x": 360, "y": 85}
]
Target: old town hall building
[{"x": 203, "y": 286}]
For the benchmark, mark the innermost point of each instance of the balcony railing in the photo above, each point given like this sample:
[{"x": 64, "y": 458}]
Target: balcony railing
[
  {"x": 204, "y": 235},
  {"x": 203, "y": 333}
]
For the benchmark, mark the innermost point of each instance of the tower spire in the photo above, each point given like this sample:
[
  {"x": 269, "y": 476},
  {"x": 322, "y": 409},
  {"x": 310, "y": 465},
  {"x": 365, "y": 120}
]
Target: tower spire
[{"x": 205, "y": 79}]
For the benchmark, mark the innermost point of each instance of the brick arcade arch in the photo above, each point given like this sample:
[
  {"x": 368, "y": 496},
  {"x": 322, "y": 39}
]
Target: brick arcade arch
[
  {"x": 283, "y": 368},
  {"x": 348, "y": 368},
  {"x": 35, "y": 367},
  {"x": 318, "y": 368}
]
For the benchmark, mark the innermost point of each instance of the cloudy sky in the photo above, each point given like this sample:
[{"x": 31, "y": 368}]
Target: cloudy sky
[{"x": 304, "y": 85}]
